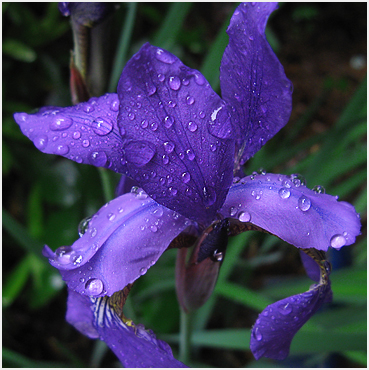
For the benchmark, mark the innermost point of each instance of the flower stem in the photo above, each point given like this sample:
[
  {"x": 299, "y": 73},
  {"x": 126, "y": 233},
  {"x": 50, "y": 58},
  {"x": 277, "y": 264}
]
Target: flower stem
[
  {"x": 106, "y": 184},
  {"x": 185, "y": 337}
]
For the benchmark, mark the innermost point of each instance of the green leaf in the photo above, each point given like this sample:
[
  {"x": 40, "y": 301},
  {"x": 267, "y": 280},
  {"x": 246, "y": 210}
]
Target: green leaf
[{"x": 19, "y": 51}]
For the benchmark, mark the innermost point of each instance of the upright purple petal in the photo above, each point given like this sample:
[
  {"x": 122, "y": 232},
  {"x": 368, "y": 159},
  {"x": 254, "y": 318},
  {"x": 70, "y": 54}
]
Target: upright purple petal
[
  {"x": 284, "y": 207},
  {"x": 85, "y": 133},
  {"x": 276, "y": 326},
  {"x": 253, "y": 81},
  {"x": 123, "y": 240},
  {"x": 133, "y": 345},
  {"x": 177, "y": 134}
]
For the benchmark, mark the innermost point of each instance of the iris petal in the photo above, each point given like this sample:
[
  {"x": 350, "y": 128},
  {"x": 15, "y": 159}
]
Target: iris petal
[
  {"x": 253, "y": 81},
  {"x": 123, "y": 240},
  {"x": 133, "y": 345},
  {"x": 85, "y": 133},
  {"x": 177, "y": 134},
  {"x": 276, "y": 326},
  {"x": 284, "y": 207}
]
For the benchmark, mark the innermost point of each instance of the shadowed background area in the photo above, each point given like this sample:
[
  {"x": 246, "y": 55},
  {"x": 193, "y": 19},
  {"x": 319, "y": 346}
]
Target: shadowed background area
[{"x": 323, "y": 50}]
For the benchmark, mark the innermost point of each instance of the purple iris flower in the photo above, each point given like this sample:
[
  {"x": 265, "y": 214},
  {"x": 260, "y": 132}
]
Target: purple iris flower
[{"x": 183, "y": 145}]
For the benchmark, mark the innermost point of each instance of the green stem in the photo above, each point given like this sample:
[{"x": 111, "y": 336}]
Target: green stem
[
  {"x": 106, "y": 184},
  {"x": 185, "y": 337}
]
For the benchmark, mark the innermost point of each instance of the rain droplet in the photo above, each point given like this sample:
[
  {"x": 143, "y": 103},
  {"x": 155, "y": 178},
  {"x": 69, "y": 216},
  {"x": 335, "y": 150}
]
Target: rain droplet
[
  {"x": 98, "y": 159},
  {"x": 102, "y": 126},
  {"x": 111, "y": 216},
  {"x": 168, "y": 147},
  {"x": 131, "y": 116},
  {"x": 186, "y": 177},
  {"x": 284, "y": 193},
  {"x": 139, "y": 153},
  {"x": 60, "y": 123},
  {"x": 257, "y": 335},
  {"x": 143, "y": 270},
  {"x": 232, "y": 211},
  {"x": 244, "y": 216},
  {"x": 144, "y": 123},
  {"x": 76, "y": 259},
  {"x": 190, "y": 154},
  {"x": 114, "y": 106},
  {"x": 192, "y": 126},
  {"x": 63, "y": 255},
  {"x": 150, "y": 88},
  {"x": 285, "y": 309},
  {"x": 76, "y": 135},
  {"x": 85, "y": 143},
  {"x": 318, "y": 189},
  {"x": 304, "y": 203},
  {"x": 83, "y": 226},
  {"x": 173, "y": 191},
  {"x": 41, "y": 142},
  {"x": 168, "y": 121},
  {"x": 338, "y": 241},
  {"x": 174, "y": 82},
  {"x": 154, "y": 126},
  {"x": 62, "y": 149},
  {"x": 199, "y": 78},
  {"x": 190, "y": 100},
  {"x": 164, "y": 56},
  {"x": 217, "y": 256},
  {"x": 161, "y": 77},
  {"x": 94, "y": 287},
  {"x": 88, "y": 108},
  {"x": 209, "y": 196},
  {"x": 165, "y": 159}
]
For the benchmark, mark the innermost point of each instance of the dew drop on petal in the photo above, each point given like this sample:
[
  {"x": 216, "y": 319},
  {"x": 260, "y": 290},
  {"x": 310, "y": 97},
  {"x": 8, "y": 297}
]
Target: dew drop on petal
[
  {"x": 186, "y": 177},
  {"x": 168, "y": 147},
  {"x": 98, "y": 159},
  {"x": 199, "y": 78},
  {"x": 257, "y": 335},
  {"x": 41, "y": 142},
  {"x": 190, "y": 100},
  {"x": 102, "y": 126},
  {"x": 115, "y": 106},
  {"x": 209, "y": 196},
  {"x": 94, "y": 287},
  {"x": 83, "y": 226},
  {"x": 304, "y": 203},
  {"x": 285, "y": 309},
  {"x": 164, "y": 56},
  {"x": 318, "y": 189},
  {"x": 244, "y": 216},
  {"x": 168, "y": 121},
  {"x": 63, "y": 255},
  {"x": 62, "y": 149},
  {"x": 284, "y": 193},
  {"x": 174, "y": 83},
  {"x": 192, "y": 126},
  {"x": 60, "y": 123},
  {"x": 76, "y": 135},
  {"x": 338, "y": 241}
]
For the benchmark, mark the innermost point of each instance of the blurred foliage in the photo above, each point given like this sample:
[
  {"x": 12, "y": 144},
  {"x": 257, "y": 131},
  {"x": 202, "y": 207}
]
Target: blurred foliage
[{"x": 45, "y": 197}]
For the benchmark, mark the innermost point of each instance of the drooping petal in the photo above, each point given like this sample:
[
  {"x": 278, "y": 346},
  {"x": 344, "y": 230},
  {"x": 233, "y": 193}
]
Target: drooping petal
[
  {"x": 80, "y": 315},
  {"x": 177, "y": 134},
  {"x": 133, "y": 345},
  {"x": 85, "y": 133},
  {"x": 123, "y": 239},
  {"x": 253, "y": 81},
  {"x": 276, "y": 326},
  {"x": 311, "y": 267},
  {"x": 284, "y": 207}
]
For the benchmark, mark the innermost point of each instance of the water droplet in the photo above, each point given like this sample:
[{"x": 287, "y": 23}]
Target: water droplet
[
  {"x": 154, "y": 126},
  {"x": 244, "y": 216},
  {"x": 217, "y": 256},
  {"x": 111, "y": 216},
  {"x": 63, "y": 255},
  {"x": 285, "y": 309},
  {"x": 192, "y": 126},
  {"x": 173, "y": 191},
  {"x": 102, "y": 126},
  {"x": 209, "y": 196},
  {"x": 338, "y": 241},
  {"x": 213, "y": 147},
  {"x": 76, "y": 135},
  {"x": 150, "y": 88},
  {"x": 232, "y": 211},
  {"x": 41, "y": 142},
  {"x": 76, "y": 259},
  {"x": 186, "y": 177},
  {"x": 168, "y": 147},
  {"x": 62, "y": 149},
  {"x": 318, "y": 189},
  {"x": 139, "y": 153},
  {"x": 168, "y": 121},
  {"x": 174, "y": 82},
  {"x": 199, "y": 78},
  {"x": 60, "y": 123},
  {"x": 93, "y": 232},
  {"x": 327, "y": 267},
  {"x": 115, "y": 106},
  {"x": 257, "y": 335},
  {"x": 88, "y": 108},
  {"x": 190, "y": 100},
  {"x": 85, "y": 143},
  {"x": 98, "y": 159},
  {"x": 143, "y": 270},
  {"x": 164, "y": 56},
  {"x": 304, "y": 203},
  {"x": 94, "y": 287},
  {"x": 131, "y": 116},
  {"x": 284, "y": 193},
  {"x": 83, "y": 226},
  {"x": 190, "y": 154},
  {"x": 165, "y": 159},
  {"x": 171, "y": 104},
  {"x": 161, "y": 77}
]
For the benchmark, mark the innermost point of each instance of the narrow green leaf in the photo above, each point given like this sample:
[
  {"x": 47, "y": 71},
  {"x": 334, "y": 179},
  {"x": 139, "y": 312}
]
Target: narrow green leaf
[{"x": 19, "y": 51}]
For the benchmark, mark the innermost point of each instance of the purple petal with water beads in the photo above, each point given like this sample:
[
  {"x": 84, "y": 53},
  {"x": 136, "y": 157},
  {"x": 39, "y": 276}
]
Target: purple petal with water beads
[
  {"x": 276, "y": 326},
  {"x": 177, "y": 134},
  {"x": 253, "y": 81},
  {"x": 133, "y": 345},
  {"x": 121, "y": 241},
  {"x": 285, "y": 207},
  {"x": 85, "y": 133}
]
